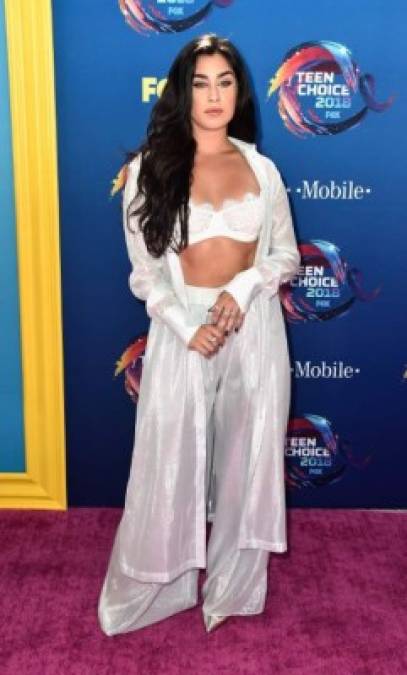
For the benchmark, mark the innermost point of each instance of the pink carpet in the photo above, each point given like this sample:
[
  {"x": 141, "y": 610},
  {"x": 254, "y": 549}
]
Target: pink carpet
[{"x": 336, "y": 604}]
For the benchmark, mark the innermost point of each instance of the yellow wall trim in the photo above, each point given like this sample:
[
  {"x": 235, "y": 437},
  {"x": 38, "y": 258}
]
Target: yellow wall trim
[{"x": 34, "y": 143}]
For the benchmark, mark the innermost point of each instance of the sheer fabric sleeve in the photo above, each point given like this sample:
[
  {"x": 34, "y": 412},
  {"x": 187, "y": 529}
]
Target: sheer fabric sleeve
[
  {"x": 283, "y": 259},
  {"x": 147, "y": 280}
]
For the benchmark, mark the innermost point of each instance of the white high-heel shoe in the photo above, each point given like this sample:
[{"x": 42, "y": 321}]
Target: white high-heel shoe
[{"x": 212, "y": 621}]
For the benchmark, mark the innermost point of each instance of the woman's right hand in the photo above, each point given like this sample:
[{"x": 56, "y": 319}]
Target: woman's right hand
[{"x": 203, "y": 339}]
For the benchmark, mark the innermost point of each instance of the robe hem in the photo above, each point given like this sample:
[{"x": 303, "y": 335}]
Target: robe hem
[{"x": 273, "y": 546}]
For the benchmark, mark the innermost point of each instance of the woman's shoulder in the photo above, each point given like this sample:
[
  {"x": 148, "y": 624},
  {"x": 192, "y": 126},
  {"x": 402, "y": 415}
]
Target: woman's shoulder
[
  {"x": 268, "y": 163},
  {"x": 127, "y": 175},
  {"x": 134, "y": 163},
  {"x": 132, "y": 169},
  {"x": 270, "y": 171}
]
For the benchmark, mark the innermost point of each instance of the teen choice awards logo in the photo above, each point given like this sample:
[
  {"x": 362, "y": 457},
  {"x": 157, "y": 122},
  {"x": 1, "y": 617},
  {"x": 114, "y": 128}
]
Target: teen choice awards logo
[
  {"x": 322, "y": 91},
  {"x": 316, "y": 455},
  {"x": 325, "y": 286},
  {"x": 131, "y": 364},
  {"x": 167, "y": 16}
]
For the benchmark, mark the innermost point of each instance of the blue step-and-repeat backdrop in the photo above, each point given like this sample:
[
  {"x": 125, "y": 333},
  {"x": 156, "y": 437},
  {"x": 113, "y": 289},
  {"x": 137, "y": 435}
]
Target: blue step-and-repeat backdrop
[{"x": 330, "y": 91}]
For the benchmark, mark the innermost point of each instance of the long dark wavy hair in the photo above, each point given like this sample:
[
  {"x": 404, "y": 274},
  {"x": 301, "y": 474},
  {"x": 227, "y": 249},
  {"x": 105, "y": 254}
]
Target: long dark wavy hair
[{"x": 167, "y": 154}]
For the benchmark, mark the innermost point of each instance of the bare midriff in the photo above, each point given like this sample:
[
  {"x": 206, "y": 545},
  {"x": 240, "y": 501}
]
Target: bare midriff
[{"x": 216, "y": 260}]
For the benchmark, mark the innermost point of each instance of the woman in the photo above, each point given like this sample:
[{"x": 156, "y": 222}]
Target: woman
[{"x": 210, "y": 238}]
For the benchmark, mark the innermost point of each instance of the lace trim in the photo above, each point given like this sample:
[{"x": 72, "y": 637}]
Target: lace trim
[{"x": 226, "y": 204}]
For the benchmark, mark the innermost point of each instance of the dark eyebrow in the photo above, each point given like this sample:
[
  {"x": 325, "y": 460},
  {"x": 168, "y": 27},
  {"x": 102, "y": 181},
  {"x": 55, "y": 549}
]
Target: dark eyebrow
[{"x": 225, "y": 72}]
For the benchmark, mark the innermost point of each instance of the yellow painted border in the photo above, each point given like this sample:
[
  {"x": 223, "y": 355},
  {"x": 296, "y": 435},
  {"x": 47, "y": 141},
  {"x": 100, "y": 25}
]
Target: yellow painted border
[{"x": 34, "y": 141}]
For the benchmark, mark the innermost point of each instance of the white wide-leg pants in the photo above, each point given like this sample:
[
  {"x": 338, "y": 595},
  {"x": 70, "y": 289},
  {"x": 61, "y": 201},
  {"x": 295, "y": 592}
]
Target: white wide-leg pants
[{"x": 236, "y": 580}]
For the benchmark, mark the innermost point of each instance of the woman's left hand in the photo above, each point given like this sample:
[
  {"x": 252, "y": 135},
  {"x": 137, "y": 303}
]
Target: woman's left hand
[{"x": 226, "y": 312}]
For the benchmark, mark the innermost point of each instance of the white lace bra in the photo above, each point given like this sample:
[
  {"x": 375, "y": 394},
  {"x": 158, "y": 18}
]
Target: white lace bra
[{"x": 239, "y": 219}]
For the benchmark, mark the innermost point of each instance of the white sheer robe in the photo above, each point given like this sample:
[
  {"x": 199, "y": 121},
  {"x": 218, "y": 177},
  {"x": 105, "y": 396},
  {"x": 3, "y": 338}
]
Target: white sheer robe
[{"x": 163, "y": 526}]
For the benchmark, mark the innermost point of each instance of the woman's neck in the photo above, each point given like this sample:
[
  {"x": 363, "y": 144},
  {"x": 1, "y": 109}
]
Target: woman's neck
[{"x": 212, "y": 144}]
